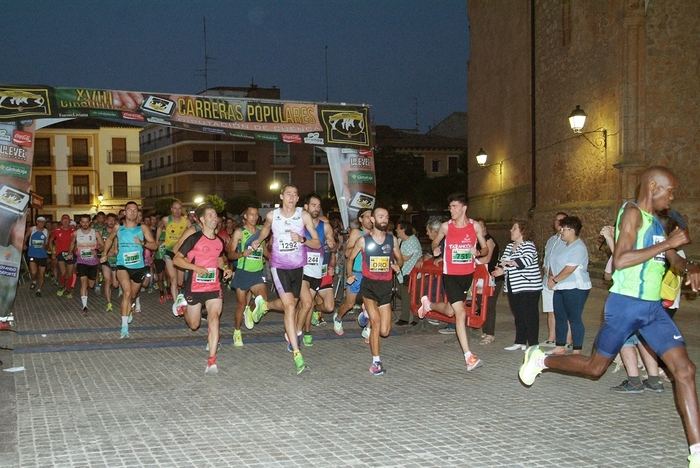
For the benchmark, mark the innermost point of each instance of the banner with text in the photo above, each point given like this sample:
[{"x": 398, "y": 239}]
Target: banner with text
[
  {"x": 354, "y": 181},
  {"x": 321, "y": 124}
]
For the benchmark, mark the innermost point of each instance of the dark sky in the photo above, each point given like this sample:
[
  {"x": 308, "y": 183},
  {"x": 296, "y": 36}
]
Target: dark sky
[{"x": 385, "y": 53}]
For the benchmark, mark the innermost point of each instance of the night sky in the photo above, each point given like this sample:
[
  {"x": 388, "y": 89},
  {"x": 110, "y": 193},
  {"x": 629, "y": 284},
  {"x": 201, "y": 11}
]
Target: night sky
[{"x": 385, "y": 53}]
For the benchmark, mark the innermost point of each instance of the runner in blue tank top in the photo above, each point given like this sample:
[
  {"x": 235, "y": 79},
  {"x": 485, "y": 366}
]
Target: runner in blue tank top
[
  {"x": 36, "y": 239},
  {"x": 131, "y": 239}
]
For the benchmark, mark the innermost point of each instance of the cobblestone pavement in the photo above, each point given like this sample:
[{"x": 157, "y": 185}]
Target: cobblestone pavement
[{"x": 87, "y": 398}]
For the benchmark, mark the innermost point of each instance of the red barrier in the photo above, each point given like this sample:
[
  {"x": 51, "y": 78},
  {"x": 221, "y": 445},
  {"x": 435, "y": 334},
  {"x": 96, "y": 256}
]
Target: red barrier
[{"x": 427, "y": 281}]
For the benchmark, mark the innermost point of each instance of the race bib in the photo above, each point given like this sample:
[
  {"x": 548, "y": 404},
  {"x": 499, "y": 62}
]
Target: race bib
[
  {"x": 379, "y": 264},
  {"x": 661, "y": 257},
  {"x": 86, "y": 253},
  {"x": 256, "y": 254},
  {"x": 287, "y": 245},
  {"x": 313, "y": 258},
  {"x": 38, "y": 243},
  {"x": 132, "y": 258},
  {"x": 210, "y": 277},
  {"x": 461, "y": 256}
]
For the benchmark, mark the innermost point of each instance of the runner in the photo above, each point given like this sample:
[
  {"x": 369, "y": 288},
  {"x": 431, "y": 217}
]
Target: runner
[
  {"x": 325, "y": 298},
  {"x": 634, "y": 303},
  {"x": 364, "y": 218},
  {"x": 159, "y": 261},
  {"x": 131, "y": 239},
  {"x": 109, "y": 268},
  {"x": 250, "y": 274},
  {"x": 316, "y": 266},
  {"x": 288, "y": 259},
  {"x": 60, "y": 239},
  {"x": 174, "y": 228},
  {"x": 380, "y": 255},
  {"x": 85, "y": 243},
  {"x": 202, "y": 283},
  {"x": 36, "y": 241},
  {"x": 461, "y": 235}
]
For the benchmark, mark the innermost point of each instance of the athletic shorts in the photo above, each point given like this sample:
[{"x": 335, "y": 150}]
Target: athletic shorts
[
  {"x": 547, "y": 299},
  {"x": 244, "y": 280},
  {"x": 314, "y": 283},
  {"x": 137, "y": 275},
  {"x": 168, "y": 254},
  {"x": 86, "y": 270},
  {"x": 456, "y": 287},
  {"x": 61, "y": 257},
  {"x": 160, "y": 264},
  {"x": 39, "y": 261},
  {"x": 287, "y": 281},
  {"x": 354, "y": 288},
  {"x": 194, "y": 298},
  {"x": 624, "y": 315},
  {"x": 377, "y": 290},
  {"x": 112, "y": 262},
  {"x": 326, "y": 282}
]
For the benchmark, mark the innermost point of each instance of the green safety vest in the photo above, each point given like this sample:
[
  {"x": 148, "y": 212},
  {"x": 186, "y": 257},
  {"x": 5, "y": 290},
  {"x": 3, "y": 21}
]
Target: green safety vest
[{"x": 255, "y": 261}]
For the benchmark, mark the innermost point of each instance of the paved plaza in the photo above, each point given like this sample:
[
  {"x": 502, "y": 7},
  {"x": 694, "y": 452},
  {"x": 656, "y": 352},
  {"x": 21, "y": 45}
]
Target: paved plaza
[{"x": 87, "y": 398}]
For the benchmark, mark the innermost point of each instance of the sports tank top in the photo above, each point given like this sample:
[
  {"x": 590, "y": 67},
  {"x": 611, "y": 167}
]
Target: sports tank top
[
  {"x": 254, "y": 262},
  {"x": 315, "y": 257},
  {"x": 36, "y": 247},
  {"x": 129, "y": 253},
  {"x": 376, "y": 258},
  {"x": 173, "y": 231},
  {"x": 287, "y": 254},
  {"x": 86, "y": 247},
  {"x": 458, "y": 258},
  {"x": 642, "y": 281},
  {"x": 357, "y": 261}
]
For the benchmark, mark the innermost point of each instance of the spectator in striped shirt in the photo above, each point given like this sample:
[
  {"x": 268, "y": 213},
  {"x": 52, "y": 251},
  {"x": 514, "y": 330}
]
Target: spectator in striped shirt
[{"x": 523, "y": 284}]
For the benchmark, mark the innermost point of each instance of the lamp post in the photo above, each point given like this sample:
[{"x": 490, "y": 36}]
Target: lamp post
[
  {"x": 482, "y": 157},
  {"x": 577, "y": 120}
]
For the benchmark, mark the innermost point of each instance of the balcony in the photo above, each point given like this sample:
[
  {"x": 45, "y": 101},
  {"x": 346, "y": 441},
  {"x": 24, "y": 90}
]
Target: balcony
[
  {"x": 42, "y": 160},
  {"x": 81, "y": 199},
  {"x": 49, "y": 198},
  {"x": 79, "y": 160},
  {"x": 130, "y": 192},
  {"x": 286, "y": 160},
  {"x": 225, "y": 165},
  {"x": 124, "y": 157}
]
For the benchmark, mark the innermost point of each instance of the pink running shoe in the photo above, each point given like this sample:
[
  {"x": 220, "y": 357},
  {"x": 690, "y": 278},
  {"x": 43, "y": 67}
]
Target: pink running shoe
[{"x": 425, "y": 307}]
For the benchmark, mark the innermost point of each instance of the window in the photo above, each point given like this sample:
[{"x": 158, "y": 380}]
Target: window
[
  {"x": 200, "y": 156},
  {"x": 44, "y": 187},
  {"x": 81, "y": 189},
  {"x": 150, "y": 191},
  {"x": 170, "y": 188},
  {"x": 79, "y": 154},
  {"x": 42, "y": 152},
  {"x": 283, "y": 177},
  {"x": 120, "y": 187},
  {"x": 162, "y": 161},
  {"x": 150, "y": 164},
  {"x": 281, "y": 149},
  {"x": 240, "y": 156},
  {"x": 322, "y": 183},
  {"x": 436, "y": 165},
  {"x": 118, "y": 150},
  {"x": 319, "y": 157},
  {"x": 421, "y": 161},
  {"x": 453, "y": 164},
  {"x": 162, "y": 189},
  {"x": 170, "y": 159}
]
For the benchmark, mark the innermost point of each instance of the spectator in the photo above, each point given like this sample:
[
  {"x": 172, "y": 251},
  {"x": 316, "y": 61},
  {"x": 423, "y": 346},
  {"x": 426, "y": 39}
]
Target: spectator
[
  {"x": 411, "y": 252},
  {"x": 490, "y": 260}
]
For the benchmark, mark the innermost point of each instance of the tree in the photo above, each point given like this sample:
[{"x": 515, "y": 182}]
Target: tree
[
  {"x": 162, "y": 205},
  {"x": 237, "y": 204},
  {"x": 216, "y": 201}
]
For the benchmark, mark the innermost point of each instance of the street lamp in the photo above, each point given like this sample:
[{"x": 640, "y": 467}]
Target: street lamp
[
  {"x": 198, "y": 200},
  {"x": 274, "y": 186},
  {"x": 482, "y": 157},
  {"x": 100, "y": 197},
  {"x": 577, "y": 119},
  {"x": 404, "y": 207}
]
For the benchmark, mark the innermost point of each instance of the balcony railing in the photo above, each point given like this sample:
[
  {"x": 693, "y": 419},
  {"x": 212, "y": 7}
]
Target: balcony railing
[
  {"x": 81, "y": 199},
  {"x": 286, "y": 160},
  {"x": 225, "y": 165},
  {"x": 79, "y": 160},
  {"x": 42, "y": 160},
  {"x": 124, "y": 157},
  {"x": 124, "y": 191}
]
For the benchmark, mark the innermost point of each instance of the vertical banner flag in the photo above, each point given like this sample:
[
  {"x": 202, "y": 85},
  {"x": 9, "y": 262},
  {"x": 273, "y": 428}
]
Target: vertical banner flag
[
  {"x": 16, "y": 153},
  {"x": 354, "y": 182}
]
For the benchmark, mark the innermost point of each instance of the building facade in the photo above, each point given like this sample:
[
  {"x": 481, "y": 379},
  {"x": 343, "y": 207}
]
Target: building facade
[
  {"x": 85, "y": 166},
  {"x": 624, "y": 63}
]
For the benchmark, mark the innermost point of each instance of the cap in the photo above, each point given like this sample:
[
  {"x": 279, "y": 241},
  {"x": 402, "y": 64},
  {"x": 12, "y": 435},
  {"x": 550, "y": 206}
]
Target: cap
[{"x": 40, "y": 218}]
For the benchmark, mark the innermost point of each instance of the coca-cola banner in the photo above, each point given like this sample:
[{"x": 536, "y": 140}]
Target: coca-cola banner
[
  {"x": 354, "y": 181},
  {"x": 321, "y": 124}
]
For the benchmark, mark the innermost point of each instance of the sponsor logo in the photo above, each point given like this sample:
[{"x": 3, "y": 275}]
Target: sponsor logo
[
  {"x": 7, "y": 270},
  {"x": 291, "y": 138},
  {"x": 5, "y": 135},
  {"x": 677, "y": 337},
  {"x": 158, "y": 106},
  {"x": 346, "y": 126},
  {"x": 367, "y": 153},
  {"x": 21, "y": 138},
  {"x": 133, "y": 116},
  {"x": 218, "y": 131},
  {"x": 17, "y": 102},
  {"x": 266, "y": 136},
  {"x": 102, "y": 113},
  {"x": 158, "y": 120},
  {"x": 313, "y": 138},
  {"x": 13, "y": 169},
  {"x": 13, "y": 152}
]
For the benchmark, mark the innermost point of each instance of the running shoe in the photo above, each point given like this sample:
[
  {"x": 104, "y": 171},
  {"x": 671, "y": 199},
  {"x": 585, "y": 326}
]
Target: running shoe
[
  {"x": 60, "y": 292},
  {"x": 38, "y": 293},
  {"x": 473, "y": 362},
  {"x": 299, "y": 363},
  {"x": 657, "y": 387},
  {"x": 424, "y": 306},
  {"x": 533, "y": 365},
  {"x": 124, "y": 333},
  {"x": 377, "y": 368},
  {"x": 337, "y": 324},
  {"x": 237, "y": 339},
  {"x": 108, "y": 307},
  {"x": 314, "y": 318},
  {"x": 515, "y": 347},
  {"x": 260, "y": 308},
  {"x": 289, "y": 343},
  {"x": 362, "y": 318},
  {"x": 321, "y": 322},
  {"x": 85, "y": 311},
  {"x": 366, "y": 332},
  {"x": 308, "y": 340},
  {"x": 248, "y": 318},
  {"x": 694, "y": 460},
  {"x": 448, "y": 330},
  {"x": 549, "y": 344},
  {"x": 33, "y": 285},
  {"x": 487, "y": 339},
  {"x": 628, "y": 387},
  {"x": 179, "y": 306},
  {"x": 211, "y": 366},
  {"x": 68, "y": 295}
]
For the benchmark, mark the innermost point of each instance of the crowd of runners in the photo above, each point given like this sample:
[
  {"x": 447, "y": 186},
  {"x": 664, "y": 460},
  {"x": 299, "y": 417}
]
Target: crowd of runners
[{"x": 191, "y": 259}]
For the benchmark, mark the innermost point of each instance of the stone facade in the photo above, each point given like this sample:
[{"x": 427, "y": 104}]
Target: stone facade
[{"x": 632, "y": 66}]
